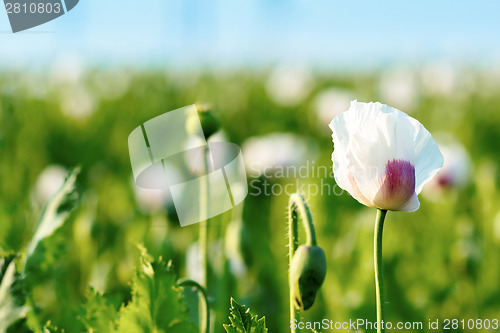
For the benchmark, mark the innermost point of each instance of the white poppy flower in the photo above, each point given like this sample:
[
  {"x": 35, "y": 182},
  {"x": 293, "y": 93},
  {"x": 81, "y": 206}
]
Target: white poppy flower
[{"x": 382, "y": 156}]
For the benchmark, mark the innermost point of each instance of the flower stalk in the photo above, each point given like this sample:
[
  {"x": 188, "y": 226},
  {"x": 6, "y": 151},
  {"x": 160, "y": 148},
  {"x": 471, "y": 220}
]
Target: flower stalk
[
  {"x": 205, "y": 312},
  {"x": 307, "y": 262},
  {"x": 203, "y": 240},
  {"x": 293, "y": 238},
  {"x": 379, "y": 272},
  {"x": 204, "y": 193},
  {"x": 209, "y": 124}
]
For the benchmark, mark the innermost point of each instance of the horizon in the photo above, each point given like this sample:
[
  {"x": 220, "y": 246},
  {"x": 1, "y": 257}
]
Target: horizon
[{"x": 239, "y": 35}]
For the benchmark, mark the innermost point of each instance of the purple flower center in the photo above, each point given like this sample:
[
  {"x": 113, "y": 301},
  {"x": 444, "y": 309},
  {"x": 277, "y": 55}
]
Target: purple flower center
[{"x": 398, "y": 185}]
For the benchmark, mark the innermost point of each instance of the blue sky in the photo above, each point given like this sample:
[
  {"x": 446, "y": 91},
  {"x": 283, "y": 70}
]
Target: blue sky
[{"x": 242, "y": 33}]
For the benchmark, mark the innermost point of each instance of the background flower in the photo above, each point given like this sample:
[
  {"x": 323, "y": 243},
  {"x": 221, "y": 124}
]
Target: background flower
[
  {"x": 399, "y": 87},
  {"x": 288, "y": 85},
  {"x": 274, "y": 151},
  {"x": 330, "y": 102},
  {"x": 456, "y": 170},
  {"x": 48, "y": 183}
]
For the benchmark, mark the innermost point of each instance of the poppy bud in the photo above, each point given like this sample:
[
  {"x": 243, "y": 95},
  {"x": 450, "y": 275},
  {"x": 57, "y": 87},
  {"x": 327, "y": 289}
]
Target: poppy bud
[
  {"x": 307, "y": 273},
  {"x": 209, "y": 123}
]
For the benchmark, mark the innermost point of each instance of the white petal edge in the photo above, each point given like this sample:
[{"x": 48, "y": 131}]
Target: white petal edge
[
  {"x": 412, "y": 205},
  {"x": 428, "y": 157}
]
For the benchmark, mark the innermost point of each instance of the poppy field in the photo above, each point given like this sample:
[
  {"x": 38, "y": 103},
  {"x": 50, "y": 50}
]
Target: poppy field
[{"x": 84, "y": 249}]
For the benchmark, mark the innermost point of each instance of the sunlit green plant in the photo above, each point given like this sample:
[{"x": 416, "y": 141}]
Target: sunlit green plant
[
  {"x": 16, "y": 300},
  {"x": 243, "y": 322},
  {"x": 307, "y": 262},
  {"x": 209, "y": 125}
]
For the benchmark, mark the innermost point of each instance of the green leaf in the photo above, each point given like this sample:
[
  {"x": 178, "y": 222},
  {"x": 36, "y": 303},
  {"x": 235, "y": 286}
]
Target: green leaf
[
  {"x": 243, "y": 322},
  {"x": 5, "y": 260},
  {"x": 55, "y": 212},
  {"x": 10, "y": 312},
  {"x": 157, "y": 302},
  {"x": 97, "y": 315}
]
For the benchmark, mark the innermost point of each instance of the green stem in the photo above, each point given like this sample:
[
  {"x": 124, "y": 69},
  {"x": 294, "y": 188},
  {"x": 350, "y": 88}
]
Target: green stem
[
  {"x": 204, "y": 325},
  {"x": 379, "y": 272},
  {"x": 296, "y": 206},
  {"x": 292, "y": 247},
  {"x": 204, "y": 193}
]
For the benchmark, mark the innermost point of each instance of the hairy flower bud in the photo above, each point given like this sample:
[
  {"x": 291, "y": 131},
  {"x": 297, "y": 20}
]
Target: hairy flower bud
[
  {"x": 307, "y": 273},
  {"x": 209, "y": 123}
]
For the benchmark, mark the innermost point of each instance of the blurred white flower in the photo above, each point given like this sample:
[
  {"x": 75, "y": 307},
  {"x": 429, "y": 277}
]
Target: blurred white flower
[
  {"x": 67, "y": 69},
  {"x": 193, "y": 263},
  {"x": 288, "y": 85},
  {"x": 48, "y": 183},
  {"x": 100, "y": 273},
  {"x": 234, "y": 246},
  {"x": 35, "y": 85},
  {"x": 382, "y": 156},
  {"x": 194, "y": 157},
  {"x": 439, "y": 79},
  {"x": 399, "y": 87},
  {"x": 150, "y": 200},
  {"x": 155, "y": 200},
  {"x": 112, "y": 84},
  {"x": 193, "y": 260},
  {"x": 182, "y": 79},
  {"x": 273, "y": 151},
  {"x": 352, "y": 299},
  {"x": 496, "y": 228},
  {"x": 77, "y": 102},
  {"x": 330, "y": 103},
  {"x": 219, "y": 136},
  {"x": 491, "y": 77},
  {"x": 456, "y": 170}
]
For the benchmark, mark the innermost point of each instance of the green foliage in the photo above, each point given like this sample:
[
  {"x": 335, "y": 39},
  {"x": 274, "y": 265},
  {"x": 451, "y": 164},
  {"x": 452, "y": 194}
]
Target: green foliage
[
  {"x": 97, "y": 314},
  {"x": 10, "y": 311},
  {"x": 14, "y": 284},
  {"x": 243, "y": 322},
  {"x": 55, "y": 212},
  {"x": 440, "y": 262},
  {"x": 157, "y": 304}
]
